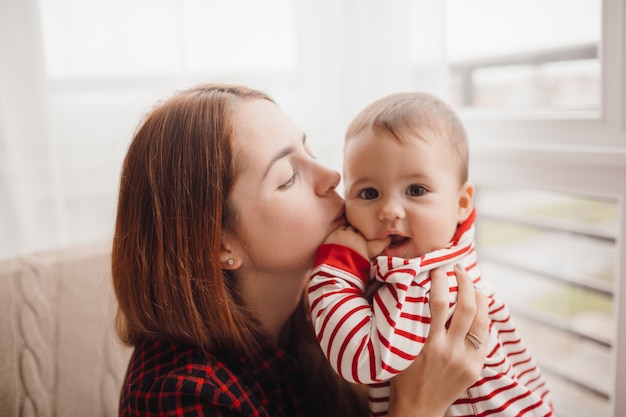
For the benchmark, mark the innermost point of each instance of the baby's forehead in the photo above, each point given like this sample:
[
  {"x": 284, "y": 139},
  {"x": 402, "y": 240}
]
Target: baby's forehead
[
  {"x": 417, "y": 144},
  {"x": 404, "y": 135}
]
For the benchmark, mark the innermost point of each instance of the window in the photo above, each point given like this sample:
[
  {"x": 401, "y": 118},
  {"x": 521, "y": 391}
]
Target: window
[
  {"x": 552, "y": 257},
  {"x": 524, "y": 53},
  {"x": 544, "y": 112}
]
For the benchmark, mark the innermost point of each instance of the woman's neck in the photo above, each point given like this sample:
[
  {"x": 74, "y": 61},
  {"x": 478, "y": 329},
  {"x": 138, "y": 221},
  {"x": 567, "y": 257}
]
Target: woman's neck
[{"x": 273, "y": 299}]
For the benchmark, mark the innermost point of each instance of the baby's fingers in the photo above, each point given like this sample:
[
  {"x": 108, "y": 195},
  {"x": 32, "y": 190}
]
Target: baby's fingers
[{"x": 376, "y": 247}]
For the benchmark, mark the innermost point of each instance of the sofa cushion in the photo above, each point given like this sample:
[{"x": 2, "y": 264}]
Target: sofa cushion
[{"x": 59, "y": 354}]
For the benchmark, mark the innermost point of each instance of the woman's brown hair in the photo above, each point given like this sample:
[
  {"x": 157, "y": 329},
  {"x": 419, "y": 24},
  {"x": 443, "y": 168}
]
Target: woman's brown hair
[
  {"x": 172, "y": 208},
  {"x": 172, "y": 211}
]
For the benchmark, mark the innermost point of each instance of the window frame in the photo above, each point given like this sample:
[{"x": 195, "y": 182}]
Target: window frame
[{"x": 577, "y": 153}]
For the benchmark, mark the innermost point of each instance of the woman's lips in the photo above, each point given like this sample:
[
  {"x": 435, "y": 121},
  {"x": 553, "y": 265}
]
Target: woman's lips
[{"x": 340, "y": 220}]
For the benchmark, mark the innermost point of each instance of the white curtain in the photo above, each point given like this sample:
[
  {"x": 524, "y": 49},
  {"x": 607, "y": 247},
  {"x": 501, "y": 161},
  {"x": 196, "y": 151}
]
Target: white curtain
[
  {"x": 30, "y": 218},
  {"x": 77, "y": 76}
]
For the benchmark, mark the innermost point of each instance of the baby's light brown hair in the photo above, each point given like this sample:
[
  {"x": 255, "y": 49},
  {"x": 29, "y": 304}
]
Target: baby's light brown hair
[{"x": 415, "y": 115}]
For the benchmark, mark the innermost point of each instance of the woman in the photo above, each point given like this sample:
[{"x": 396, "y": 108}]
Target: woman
[{"x": 221, "y": 209}]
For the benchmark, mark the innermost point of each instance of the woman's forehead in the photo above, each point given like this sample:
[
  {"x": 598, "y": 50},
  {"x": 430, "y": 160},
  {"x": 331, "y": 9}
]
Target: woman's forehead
[{"x": 262, "y": 130}]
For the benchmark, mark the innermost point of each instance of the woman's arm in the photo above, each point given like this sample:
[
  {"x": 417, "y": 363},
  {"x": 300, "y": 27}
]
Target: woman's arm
[{"x": 449, "y": 363}]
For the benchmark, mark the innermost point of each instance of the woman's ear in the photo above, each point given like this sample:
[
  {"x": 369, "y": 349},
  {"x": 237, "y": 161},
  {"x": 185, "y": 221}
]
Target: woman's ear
[
  {"x": 466, "y": 201},
  {"x": 228, "y": 254}
]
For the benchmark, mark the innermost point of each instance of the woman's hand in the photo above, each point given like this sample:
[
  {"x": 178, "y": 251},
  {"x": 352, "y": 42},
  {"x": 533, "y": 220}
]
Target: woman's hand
[{"x": 449, "y": 363}]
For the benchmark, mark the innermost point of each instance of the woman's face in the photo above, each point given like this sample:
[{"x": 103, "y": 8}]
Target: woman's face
[{"x": 285, "y": 201}]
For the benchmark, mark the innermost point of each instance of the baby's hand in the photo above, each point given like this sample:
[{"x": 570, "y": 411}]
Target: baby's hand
[
  {"x": 350, "y": 237},
  {"x": 375, "y": 247}
]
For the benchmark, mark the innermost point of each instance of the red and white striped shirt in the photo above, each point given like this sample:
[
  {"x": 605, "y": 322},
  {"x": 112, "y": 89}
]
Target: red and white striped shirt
[{"x": 369, "y": 341}]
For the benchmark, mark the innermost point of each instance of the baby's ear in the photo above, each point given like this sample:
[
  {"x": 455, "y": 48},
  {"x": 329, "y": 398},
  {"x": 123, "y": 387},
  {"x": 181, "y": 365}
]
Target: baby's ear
[{"x": 466, "y": 201}]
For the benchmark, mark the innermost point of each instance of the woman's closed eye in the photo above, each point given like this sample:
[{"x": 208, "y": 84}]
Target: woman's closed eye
[
  {"x": 290, "y": 181},
  {"x": 416, "y": 190}
]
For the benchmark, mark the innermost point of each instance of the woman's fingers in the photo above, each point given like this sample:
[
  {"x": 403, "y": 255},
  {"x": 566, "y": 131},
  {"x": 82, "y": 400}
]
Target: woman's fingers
[
  {"x": 448, "y": 359},
  {"x": 439, "y": 303},
  {"x": 466, "y": 305},
  {"x": 470, "y": 316},
  {"x": 480, "y": 325}
]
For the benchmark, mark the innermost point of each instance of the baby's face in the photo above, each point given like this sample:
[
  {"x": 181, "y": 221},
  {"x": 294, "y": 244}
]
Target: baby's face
[{"x": 410, "y": 191}]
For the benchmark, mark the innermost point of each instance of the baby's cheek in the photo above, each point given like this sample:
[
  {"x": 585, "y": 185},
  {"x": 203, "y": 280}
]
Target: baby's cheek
[
  {"x": 358, "y": 218},
  {"x": 363, "y": 221}
]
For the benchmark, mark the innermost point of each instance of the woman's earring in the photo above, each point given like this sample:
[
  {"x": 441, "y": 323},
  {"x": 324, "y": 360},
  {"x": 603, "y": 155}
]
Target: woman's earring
[{"x": 230, "y": 262}]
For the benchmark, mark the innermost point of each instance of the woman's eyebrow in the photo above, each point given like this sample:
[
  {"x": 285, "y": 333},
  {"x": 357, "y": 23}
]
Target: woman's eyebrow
[
  {"x": 287, "y": 150},
  {"x": 279, "y": 155}
]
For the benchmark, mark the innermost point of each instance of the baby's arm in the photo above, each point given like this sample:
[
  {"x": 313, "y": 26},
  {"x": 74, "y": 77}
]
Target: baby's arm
[{"x": 359, "y": 338}]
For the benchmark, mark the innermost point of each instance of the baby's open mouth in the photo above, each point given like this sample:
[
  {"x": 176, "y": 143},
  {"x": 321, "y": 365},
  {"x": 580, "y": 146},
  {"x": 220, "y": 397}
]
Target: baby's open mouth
[{"x": 397, "y": 240}]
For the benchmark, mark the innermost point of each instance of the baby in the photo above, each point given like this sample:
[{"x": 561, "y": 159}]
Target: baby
[{"x": 410, "y": 207}]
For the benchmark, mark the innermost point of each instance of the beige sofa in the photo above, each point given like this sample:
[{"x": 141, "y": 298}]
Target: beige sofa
[{"x": 59, "y": 355}]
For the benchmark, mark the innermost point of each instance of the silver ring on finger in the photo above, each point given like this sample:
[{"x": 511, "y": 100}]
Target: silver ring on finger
[{"x": 474, "y": 339}]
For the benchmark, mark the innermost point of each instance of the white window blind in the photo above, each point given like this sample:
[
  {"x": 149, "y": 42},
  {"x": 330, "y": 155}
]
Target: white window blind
[{"x": 553, "y": 257}]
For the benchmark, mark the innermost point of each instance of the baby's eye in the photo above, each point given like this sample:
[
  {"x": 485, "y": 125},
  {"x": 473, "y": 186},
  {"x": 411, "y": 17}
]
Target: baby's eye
[
  {"x": 368, "y": 194},
  {"x": 416, "y": 191}
]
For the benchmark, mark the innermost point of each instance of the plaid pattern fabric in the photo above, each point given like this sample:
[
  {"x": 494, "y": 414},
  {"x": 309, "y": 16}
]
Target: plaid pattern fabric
[{"x": 169, "y": 379}]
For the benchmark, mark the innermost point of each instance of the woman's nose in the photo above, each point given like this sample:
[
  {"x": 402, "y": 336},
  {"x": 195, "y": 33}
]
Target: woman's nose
[
  {"x": 328, "y": 179},
  {"x": 390, "y": 210}
]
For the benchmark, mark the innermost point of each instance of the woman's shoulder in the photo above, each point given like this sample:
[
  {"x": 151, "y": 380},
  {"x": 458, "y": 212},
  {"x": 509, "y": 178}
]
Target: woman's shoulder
[{"x": 171, "y": 376}]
